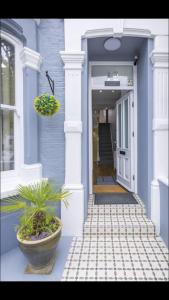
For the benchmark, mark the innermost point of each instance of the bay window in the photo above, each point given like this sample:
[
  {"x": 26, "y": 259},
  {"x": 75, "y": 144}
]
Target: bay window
[{"x": 11, "y": 110}]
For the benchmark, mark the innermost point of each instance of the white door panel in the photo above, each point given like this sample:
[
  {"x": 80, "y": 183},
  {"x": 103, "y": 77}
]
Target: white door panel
[{"x": 124, "y": 136}]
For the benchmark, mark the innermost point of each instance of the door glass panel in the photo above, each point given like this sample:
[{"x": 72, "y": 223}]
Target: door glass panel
[
  {"x": 126, "y": 122},
  {"x": 119, "y": 125},
  {"x": 7, "y": 145},
  {"x": 7, "y": 73}
]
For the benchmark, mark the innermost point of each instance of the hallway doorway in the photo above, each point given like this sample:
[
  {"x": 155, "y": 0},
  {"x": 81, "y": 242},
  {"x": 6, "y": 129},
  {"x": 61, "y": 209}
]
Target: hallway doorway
[
  {"x": 111, "y": 130},
  {"x": 105, "y": 141}
]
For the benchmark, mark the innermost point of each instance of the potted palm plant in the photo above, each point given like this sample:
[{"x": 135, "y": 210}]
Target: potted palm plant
[{"x": 39, "y": 229}]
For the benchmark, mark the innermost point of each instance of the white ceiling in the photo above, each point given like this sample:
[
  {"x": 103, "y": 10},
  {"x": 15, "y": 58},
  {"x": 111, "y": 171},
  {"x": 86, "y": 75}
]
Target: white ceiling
[{"x": 106, "y": 98}]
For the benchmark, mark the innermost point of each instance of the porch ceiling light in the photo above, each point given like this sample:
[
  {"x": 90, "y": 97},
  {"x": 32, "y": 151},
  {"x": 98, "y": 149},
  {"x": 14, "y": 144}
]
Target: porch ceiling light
[{"x": 112, "y": 44}]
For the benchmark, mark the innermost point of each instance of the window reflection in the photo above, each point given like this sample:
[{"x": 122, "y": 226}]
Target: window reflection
[
  {"x": 7, "y": 74},
  {"x": 7, "y": 97}
]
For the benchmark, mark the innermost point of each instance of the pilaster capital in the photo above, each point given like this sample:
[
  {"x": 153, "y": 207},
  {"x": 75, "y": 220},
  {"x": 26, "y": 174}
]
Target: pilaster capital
[
  {"x": 73, "y": 59},
  {"x": 31, "y": 58},
  {"x": 159, "y": 55},
  {"x": 159, "y": 58}
]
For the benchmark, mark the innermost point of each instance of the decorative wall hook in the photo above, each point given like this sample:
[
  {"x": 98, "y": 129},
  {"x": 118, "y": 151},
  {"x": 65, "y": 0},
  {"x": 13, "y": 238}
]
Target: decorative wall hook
[
  {"x": 51, "y": 83},
  {"x": 135, "y": 60}
]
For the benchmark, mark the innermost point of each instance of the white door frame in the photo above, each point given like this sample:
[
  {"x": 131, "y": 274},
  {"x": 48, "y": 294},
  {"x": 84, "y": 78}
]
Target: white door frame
[{"x": 134, "y": 107}]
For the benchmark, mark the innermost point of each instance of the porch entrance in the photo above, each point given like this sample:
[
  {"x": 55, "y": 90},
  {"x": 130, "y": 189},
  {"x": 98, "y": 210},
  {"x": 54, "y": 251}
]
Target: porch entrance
[{"x": 113, "y": 146}]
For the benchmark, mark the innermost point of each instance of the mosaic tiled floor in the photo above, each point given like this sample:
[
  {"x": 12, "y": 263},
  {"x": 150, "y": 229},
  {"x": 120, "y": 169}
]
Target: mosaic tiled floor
[{"x": 109, "y": 251}]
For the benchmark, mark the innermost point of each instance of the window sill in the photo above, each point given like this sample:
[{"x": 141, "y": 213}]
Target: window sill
[{"x": 27, "y": 175}]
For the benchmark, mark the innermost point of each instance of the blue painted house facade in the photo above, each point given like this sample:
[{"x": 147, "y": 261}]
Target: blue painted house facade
[{"x": 58, "y": 148}]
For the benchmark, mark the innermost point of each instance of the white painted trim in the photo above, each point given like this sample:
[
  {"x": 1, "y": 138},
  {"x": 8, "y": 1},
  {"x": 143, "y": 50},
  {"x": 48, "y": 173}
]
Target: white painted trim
[
  {"x": 92, "y": 33},
  {"x": 73, "y": 60},
  {"x": 134, "y": 88},
  {"x": 111, "y": 63},
  {"x": 164, "y": 180},
  {"x": 135, "y": 100},
  {"x": 9, "y": 107},
  {"x": 37, "y": 21},
  {"x": 31, "y": 58},
  {"x": 10, "y": 38},
  {"x": 159, "y": 58},
  {"x": 72, "y": 126},
  {"x": 117, "y": 88},
  {"x": 90, "y": 133},
  {"x": 138, "y": 32},
  {"x": 160, "y": 124},
  {"x": 73, "y": 217},
  {"x": 118, "y": 31},
  {"x": 18, "y": 108},
  {"x": 73, "y": 187},
  {"x": 120, "y": 179},
  {"x": 22, "y": 174},
  {"x": 10, "y": 179}
]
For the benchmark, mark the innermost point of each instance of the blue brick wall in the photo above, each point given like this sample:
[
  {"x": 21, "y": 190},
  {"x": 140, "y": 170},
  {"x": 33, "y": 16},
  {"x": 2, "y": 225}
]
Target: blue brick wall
[
  {"x": 51, "y": 130},
  {"x": 29, "y": 27}
]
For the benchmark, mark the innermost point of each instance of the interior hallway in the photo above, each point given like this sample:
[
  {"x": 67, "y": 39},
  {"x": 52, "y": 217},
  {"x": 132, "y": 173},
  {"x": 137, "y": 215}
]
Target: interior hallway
[{"x": 102, "y": 171}]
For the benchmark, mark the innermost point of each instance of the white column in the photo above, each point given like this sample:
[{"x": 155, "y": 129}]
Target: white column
[
  {"x": 73, "y": 216},
  {"x": 159, "y": 57}
]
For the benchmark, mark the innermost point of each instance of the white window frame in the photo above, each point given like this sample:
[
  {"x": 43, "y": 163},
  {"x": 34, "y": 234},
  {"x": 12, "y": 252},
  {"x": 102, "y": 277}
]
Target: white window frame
[{"x": 9, "y": 178}]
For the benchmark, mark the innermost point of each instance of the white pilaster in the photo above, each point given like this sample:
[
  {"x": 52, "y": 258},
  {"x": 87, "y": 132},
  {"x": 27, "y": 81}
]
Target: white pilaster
[
  {"x": 159, "y": 58},
  {"x": 73, "y": 216}
]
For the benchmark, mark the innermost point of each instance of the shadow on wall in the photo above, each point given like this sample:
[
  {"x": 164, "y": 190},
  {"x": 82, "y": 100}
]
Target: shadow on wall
[{"x": 164, "y": 212}]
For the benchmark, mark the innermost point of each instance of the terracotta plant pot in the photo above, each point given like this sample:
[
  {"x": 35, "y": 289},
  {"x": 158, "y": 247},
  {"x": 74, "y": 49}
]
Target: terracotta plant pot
[{"x": 41, "y": 253}]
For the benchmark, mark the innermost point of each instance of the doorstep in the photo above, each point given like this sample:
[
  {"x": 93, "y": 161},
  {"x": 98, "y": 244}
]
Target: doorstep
[{"x": 13, "y": 264}]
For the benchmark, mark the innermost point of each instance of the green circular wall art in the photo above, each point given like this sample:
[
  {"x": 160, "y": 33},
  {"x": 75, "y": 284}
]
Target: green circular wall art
[{"x": 46, "y": 105}]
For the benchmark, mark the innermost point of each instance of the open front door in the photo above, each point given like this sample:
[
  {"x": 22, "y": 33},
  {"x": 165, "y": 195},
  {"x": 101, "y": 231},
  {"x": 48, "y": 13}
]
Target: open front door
[{"x": 124, "y": 140}]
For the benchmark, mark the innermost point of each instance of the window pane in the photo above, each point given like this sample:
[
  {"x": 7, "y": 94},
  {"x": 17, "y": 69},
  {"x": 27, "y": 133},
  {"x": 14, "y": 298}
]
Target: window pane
[
  {"x": 7, "y": 145},
  {"x": 126, "y": 123},
  {"x": 119, "y": 129},
  {"x": 7, "y": 74},
  {"x": 101, "y": 73}
]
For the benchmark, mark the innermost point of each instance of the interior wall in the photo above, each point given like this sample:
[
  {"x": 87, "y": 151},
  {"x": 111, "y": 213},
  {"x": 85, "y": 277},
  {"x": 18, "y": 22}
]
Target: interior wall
[
  {"x": 144, "y": 78},
  {"x": 113, "y": 125}
]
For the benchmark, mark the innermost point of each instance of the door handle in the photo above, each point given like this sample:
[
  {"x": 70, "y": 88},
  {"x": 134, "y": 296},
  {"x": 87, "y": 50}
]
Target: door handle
[{"x": 122, "y": 152}]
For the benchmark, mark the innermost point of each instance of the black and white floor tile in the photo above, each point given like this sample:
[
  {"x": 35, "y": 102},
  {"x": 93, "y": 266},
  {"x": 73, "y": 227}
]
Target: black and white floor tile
[{"x": 122, "y": 255}]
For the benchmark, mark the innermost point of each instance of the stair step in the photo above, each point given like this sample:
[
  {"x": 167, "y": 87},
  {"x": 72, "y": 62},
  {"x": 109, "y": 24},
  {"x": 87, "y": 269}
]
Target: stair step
[
  {"x": 120, "y": 209},
  {"x": 115, "y": 209},
  {"x": 106, "y": 152},
  {"x": 119, "y": 225},
  {"x": 107, "y": 147}
]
